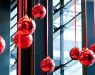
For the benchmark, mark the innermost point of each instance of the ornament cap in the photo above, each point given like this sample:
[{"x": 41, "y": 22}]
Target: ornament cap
[
  {"x": 26, "y": 16},
  {"x": 38, "y": 3},
  {"x": 85, "y": 48}
]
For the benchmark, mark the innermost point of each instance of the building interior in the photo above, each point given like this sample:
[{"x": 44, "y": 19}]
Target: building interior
[{"x": 61, "y": 37}]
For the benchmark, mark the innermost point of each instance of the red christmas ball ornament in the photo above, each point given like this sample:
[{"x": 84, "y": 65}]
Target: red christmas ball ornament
[
  {"x": 86, "y": 57},
  {"x": 93, "y": 47},
  {"x": 38, "y": 11},
  {"x": 26, "y": 25},
  {"x": 22, "y": 41},
  {"x": 74, "y": 53},
  {"x": 47, "y": 64},
  {"x": 2, "y": 45}
]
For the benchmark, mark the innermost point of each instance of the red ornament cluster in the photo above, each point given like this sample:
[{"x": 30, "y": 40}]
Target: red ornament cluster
[
  {"x": 2, "y": 45},
  {"x": 86, "y": 57},
  {"x": 38, "y": 11},
  {"x": 23, "y": 38},
  {"x": 27, "y": 26},
  {"x": 47, "y": 64}
]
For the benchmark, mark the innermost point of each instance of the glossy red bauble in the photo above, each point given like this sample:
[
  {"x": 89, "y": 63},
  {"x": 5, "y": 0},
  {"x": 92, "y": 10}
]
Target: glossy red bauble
[
  {"x": 47, "y": 64},
  {"x": 22, "y": 41},
  {"x": 38, "y": 11},
  {"x": 2, "y": 45},
  {"x": 74, "y": 53},
  {"x": 86, "y": 57},
  {"x": 93, "y": 47},
  {"x": 26, "y": 25}
]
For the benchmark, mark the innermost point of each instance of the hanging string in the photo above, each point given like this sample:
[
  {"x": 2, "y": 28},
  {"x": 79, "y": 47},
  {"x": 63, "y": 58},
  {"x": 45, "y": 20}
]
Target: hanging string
[
  {"x": 25, "y": 8},
  {"x": 47, "y": 31},
  {"x": 19, "y": 58},
  {"x": 86, "y": 23},
  {"x": 33, "y": 50},
  {"x": 94, "y": 20},
  {"x": 18, "y": 10},
  {"x": 19, "y": 49},
  {"x": 75, "y": 19},
  {"x": 38, "y": 1}
]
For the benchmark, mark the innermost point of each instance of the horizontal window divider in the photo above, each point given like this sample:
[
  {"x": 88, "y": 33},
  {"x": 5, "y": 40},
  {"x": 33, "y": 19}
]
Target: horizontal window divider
[{"x": 62, "y": 65}]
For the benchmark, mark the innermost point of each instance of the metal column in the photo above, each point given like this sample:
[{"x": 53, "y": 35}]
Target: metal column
[
  {"x": 5, "y": 33},
  {"x": 90, "y": 17},
  {"x": 61, "y": 37}
]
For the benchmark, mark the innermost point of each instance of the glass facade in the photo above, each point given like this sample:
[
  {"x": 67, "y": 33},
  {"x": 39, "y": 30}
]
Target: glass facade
[
  {"x": 64, "y": 36},
  {"x": 13, "y": 29}
]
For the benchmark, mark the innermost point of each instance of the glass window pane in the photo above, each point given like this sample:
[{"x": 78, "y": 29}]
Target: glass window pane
[
  {"x": 55, "y": 2},
  {"x": 56, "y": 50},
  {"x": 68, "y": 37}
]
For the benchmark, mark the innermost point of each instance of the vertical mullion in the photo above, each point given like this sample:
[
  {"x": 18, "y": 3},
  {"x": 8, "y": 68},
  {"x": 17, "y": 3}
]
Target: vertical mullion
[
  {"x": 61, "y": 37},
  {"x": 83, "y": 31}
]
